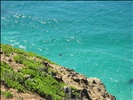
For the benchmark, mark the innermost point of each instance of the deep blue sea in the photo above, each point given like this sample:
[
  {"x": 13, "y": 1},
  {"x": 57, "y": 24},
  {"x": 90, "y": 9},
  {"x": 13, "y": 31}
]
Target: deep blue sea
[{"x": 93, "y": 38}]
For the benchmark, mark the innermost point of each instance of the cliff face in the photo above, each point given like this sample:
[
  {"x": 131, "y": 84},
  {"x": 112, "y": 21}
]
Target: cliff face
[
  {"x": 89, "y": 88},
  {"x": 29, "y": 76}
]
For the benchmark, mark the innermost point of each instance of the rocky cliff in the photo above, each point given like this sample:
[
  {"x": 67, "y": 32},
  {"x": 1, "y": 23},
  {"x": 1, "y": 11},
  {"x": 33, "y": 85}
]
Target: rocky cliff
[{"x": 27, "y": 76}]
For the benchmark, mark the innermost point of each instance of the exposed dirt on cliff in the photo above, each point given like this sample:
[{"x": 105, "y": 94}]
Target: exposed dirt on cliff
[
  {"x": 19, "y": 95},
  {"x": 89, "y": 88}
]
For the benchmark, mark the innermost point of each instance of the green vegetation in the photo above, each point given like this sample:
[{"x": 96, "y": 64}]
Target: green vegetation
[
  {"x": 10, "y": 78},
  {"x": 8, "y": 49},
  {"x": 39, "y": 79},
  {"x": 35, "y": 76},
  {"x": 6, "y": 94}
]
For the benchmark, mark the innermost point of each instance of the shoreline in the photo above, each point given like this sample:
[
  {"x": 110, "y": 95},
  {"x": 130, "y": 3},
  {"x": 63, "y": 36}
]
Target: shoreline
[{"x": 72, "y": 84}]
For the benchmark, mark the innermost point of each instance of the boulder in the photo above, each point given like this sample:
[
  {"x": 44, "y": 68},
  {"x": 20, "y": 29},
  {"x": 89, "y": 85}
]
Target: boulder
[
  {"x": 66, "y": 89},
  {"x": 76, "y": 79},
  {"x": 45, "y": 63},
  {"x": 85, "y": 95},
  {"x": 58, "y": 78},
  {"x": 83, "y": 79},
  {"x": 10, "y": 60},
  {"x": 94, "y": 82},
  {"x": 68, "y": 92}
]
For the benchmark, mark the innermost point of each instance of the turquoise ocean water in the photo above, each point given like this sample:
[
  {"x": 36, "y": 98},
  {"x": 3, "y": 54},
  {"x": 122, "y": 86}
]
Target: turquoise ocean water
[{"x": 93, "y": 38}]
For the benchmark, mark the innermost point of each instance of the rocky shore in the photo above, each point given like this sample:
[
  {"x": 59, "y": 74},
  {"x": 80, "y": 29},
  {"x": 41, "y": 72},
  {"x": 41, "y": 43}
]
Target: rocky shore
[
  {"x": 90, "y": 88},
  {"x": 75, "y": 86}
]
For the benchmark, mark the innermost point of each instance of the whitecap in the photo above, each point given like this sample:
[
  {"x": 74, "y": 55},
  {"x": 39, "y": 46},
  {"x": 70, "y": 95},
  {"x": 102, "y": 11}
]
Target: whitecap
[
  {"x": 74, "y": 68},
  {"x": 46, "y": 49},
  {"x": 67, "y": 40},
  {"x": 34, "y": 26},
  {"x": 39, "y": 49},
  {"x": 33, "y": 44},
  {"x": 71, "y": 55},
  {"x": 16, "y": 16},
  {"x": 72, "y": 37},
  {"x": 43, "y": 22},
  {"x": 25, "y": 41},
  {"x": 95, "y": 64},
  {"x": 55, "y": 20},
  {"x": 23, "y": 16},
  {"x": 78, "y": 41},
  {"x": 3, "y": 18},
  {"x": 23, "y": 47},
  {"x": 16, "y": 21},
  {"x": 16, "y": 43},
  {"x": 114, "y": 80},
  {"x": 12, "y": 40}
]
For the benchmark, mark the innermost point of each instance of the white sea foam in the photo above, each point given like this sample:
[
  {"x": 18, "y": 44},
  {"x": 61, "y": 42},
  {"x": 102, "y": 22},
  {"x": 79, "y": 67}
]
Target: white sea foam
[
  {"x": 16, "y": 43},
  {"x": 114, "y": 80},
  {"x": 67, "y": 40},
  {"x": 3, "y": 18},
  {"x": 43, "y": 22},
  {"x": 23, "y": 16},
  {"x": 71, "y": 55},
  {"x": 79, "y": 42},
  {"x": 25, "y": 41},
  {"x": 16, "y": 16},
  {"x": 16, "y": 21},
  {"x": 39, "y": 49},
  {"x": 55, "y": 20},
  {"x": 23, "y": 47},
  {"x": 12, "y": 40},
  {"x": 46, "y": 49}
]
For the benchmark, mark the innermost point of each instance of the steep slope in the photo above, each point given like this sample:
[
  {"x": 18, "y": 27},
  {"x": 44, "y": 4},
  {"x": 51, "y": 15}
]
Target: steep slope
[{"x": 27, "y": 76}]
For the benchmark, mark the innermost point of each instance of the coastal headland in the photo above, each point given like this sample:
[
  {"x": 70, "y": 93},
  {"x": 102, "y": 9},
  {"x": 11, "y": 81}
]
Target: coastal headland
[{"x": 28, "y": 76}]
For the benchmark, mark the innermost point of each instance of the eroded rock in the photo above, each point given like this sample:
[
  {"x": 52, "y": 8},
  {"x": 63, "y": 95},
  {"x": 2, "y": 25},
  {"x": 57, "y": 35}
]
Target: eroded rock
[
  {"x": 45, "y": 63},
  {"x": 85, "y": 94}
]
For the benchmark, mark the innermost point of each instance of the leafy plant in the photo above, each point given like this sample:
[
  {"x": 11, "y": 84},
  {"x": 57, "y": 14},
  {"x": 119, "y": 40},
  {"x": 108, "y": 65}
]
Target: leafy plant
[
  {"x": 40, "y": 80},
  {"x": 7, "y": 94}
]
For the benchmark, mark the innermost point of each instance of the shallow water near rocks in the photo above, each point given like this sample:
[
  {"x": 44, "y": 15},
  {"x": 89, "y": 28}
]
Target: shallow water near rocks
[{"x": 93, "y": 38}]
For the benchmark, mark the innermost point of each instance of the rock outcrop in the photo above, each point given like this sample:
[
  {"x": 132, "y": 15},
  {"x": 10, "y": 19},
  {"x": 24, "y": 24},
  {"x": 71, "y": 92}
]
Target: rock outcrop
[{"x": 87, "y": 88}]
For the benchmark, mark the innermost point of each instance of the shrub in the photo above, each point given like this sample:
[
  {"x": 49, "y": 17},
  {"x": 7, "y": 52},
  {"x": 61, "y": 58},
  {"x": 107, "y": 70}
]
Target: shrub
[
  {"x": 7, "y": 49},
  {"x": 40, "y": 81},
  {"x": 19, "y": 58},
  {"x": 8, "y": 94}
]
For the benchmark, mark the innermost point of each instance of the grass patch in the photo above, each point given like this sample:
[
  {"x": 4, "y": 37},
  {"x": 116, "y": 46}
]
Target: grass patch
[
  {"x": 6, "y": 94},
  {"x": 34, "y": 77},
  {"x": 8, "y": 49},
  {"x": 39, "y": 79}
]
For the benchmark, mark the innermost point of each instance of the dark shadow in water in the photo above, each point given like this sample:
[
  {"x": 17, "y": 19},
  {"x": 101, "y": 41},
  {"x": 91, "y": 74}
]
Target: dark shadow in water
[
  {"x": 130, "y": 81},
  {"x": 60, "y": 54}
]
